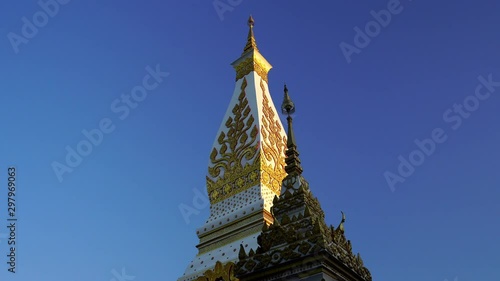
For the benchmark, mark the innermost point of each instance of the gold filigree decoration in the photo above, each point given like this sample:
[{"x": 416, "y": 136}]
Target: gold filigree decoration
[
  {"x": 236, "y": 162},
  {"x": 220, "y": 272},
  {"x": 273, "y": 145},
  {"x": 251, "y": 64}
]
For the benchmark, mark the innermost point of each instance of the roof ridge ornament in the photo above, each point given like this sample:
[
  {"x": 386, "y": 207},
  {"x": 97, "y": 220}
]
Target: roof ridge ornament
[{"x": 341, "y": 224}]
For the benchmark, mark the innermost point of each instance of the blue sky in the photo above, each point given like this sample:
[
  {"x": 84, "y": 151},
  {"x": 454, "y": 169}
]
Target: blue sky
[{"x": 119, "y": 207}]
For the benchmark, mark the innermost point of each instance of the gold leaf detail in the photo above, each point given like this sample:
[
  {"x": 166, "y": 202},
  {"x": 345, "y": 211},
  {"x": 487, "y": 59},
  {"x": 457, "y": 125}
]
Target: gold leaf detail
[
  {"x": 234, "y": 163},
  {"x": 251, "y": 64},
  {"x": 273, "y": 145}
]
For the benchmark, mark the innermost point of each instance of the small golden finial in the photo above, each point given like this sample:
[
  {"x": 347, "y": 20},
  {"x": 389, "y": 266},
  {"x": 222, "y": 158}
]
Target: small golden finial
[
  {"x": 251, "y": 44},
  {"x": 251, "y": 22}
]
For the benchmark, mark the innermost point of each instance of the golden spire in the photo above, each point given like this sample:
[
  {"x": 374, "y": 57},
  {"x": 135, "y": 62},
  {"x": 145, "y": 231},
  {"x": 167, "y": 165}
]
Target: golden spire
[
  {"x": 251, "y": 59},
  {"x": 251, "y": 44}
]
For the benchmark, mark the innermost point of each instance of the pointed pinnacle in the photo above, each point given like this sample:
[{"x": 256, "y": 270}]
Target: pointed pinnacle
[
  {"x": 251, "y": 22},
  {"x": 292, "y": 155},
  {"x": 251, "y": 43},
  {"x": 287, "y": 107}
]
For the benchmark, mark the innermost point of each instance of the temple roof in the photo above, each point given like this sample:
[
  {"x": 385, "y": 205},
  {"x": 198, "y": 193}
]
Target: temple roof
[{"x": 299, "y": 243}]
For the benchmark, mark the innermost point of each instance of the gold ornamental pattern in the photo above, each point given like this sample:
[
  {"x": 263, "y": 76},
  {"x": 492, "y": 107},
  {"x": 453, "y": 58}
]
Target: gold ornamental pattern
[
  {"x": 235, "y": 165},
  {"x": 220, "y": 272},
  {"x": 251, "y": 64},
  {"x": 273, "y": 146}
]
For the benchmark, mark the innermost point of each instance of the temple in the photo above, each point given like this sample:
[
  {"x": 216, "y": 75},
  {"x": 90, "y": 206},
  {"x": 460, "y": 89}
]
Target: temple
[{"x": 264, "y": 222}]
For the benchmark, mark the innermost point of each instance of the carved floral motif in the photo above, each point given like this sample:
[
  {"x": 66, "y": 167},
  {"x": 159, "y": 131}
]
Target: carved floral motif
[
  {"x": 251, "y": 64},
  {"x": 239, "y": 163},
  {"x": 235, "y": 164},
  {"x": 273, "y": 144}
]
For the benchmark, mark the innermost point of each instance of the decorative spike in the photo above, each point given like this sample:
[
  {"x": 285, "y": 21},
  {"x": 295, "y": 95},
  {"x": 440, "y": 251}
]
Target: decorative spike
[
  {"x": 360, "y": 261},
  {"x": 242, "y": 254},
  {"x": 307, "y": 212},
  {"x": 316, "y": 227},
  {"x": 292, "y": 154},
  {"x": 251, "y": 43},
  {"x": 251, "y": 253},
  {"x": 287, "y": 107},
  {"x": 341, "y": 225}
]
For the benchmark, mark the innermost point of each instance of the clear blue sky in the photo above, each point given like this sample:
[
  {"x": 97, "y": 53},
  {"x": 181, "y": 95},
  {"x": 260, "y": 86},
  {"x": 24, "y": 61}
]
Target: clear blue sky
[{"x": 119, "y": 208}]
